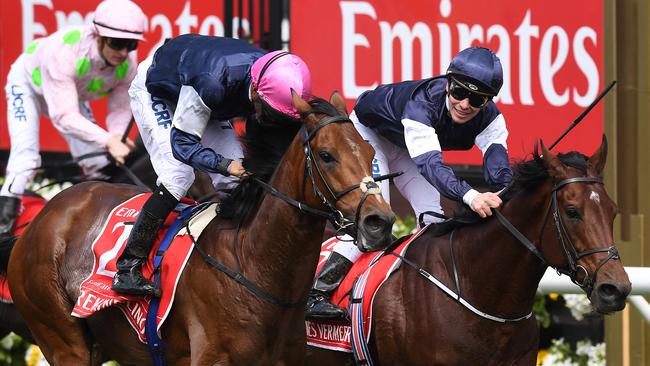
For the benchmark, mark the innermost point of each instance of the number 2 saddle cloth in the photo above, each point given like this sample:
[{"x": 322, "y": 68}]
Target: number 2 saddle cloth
[{"x": 95, "y": 291}]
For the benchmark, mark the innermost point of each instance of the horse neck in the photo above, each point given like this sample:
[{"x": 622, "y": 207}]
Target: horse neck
[
  {"x": 492, "y": 261},
  {"x": 281, "y": 244}
]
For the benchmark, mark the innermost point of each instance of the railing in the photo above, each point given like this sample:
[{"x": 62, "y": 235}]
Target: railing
[{"x": 639, "y": 277}]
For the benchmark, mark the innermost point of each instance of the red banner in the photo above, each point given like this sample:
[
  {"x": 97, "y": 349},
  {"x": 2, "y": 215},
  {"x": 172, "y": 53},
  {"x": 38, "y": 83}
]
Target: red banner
[{"x": 551, "y": 51}]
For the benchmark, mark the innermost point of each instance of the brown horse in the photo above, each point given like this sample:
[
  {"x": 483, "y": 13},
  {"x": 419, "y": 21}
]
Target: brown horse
[
  {"x": 557, "y": 202},
  {"x": 270, "y": 242},
  {"x": 140, "y": 166}
]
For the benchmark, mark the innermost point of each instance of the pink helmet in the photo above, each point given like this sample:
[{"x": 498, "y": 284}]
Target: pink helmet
[
  {"x": 120, "y": 19},
  {"x": 275, "y": 74}
]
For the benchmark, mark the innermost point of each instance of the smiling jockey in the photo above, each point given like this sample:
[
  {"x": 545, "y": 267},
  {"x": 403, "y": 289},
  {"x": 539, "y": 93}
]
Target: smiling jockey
[
  {"x": 57, "y": 76},
  {"x": 410, "y": 124},
  {"x": 182, "y": 99}
]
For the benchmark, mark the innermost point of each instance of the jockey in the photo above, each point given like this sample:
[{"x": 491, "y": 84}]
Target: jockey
[
  {"x": 56, "y": 76},
  {"x": 182, "y": 99},
  {"x": 409, "y": 124}
]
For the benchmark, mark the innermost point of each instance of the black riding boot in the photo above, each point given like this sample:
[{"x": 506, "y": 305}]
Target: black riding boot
[
  {"x": 328, "y": 279},
  {"x": 8, "y": 213},
  {"x": 129, "y": 279}
]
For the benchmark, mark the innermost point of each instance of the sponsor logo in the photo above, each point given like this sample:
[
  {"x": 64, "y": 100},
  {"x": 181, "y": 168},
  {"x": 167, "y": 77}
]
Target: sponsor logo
[
  {"x": 160, "y": 110},
  {"x": 18, "y": 103}
]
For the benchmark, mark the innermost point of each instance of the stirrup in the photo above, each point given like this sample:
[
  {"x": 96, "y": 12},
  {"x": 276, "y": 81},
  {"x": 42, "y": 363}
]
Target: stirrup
[{"x": 319, "y": 307}]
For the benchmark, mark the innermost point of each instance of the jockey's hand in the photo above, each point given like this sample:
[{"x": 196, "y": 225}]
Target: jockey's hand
[
  {"x": 237, "y": 169},
  {"x": 483, "y": 203},
  {"x": 119, "y": 150}
]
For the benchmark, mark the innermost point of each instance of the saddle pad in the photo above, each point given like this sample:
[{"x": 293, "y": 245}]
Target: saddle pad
[
  {"x": 371, "y": 270},
  {"x": 95, "y": 290},
  {"x": 30, "y": 206}
]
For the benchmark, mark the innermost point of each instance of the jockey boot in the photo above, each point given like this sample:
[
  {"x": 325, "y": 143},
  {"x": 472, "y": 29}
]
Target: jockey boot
[
  {"x": 329, "y": 278},
  {"x": 8, "y": 213},
  {"x": 129, "y": 279}
]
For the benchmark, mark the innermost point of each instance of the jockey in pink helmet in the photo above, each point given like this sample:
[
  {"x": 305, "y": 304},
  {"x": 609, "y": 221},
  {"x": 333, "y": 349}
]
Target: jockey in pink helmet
[
  {"x": 182, "y": 100},
  {"x": 57, "y": 76}
]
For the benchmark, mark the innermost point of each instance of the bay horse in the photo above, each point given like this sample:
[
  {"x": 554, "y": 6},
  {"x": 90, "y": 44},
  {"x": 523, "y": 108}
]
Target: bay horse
[
  {"x": 139, "y": 165},
  {"x": 563, "y": 218},
  {"x": 316, "y": 170}
]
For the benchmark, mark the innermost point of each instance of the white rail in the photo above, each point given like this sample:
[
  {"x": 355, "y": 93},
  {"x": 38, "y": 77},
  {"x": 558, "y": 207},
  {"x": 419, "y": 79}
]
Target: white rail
[{"x": 639, "y": 277}]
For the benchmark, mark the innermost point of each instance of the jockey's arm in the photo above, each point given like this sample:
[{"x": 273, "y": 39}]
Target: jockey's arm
[
  {"x": 61, "y": 96},
  {"x": 492, "y": 143},
  {"x": 188, "y": 125},
  {"x": 424, "y": 148},
  {"x": 119, "y": 105}
]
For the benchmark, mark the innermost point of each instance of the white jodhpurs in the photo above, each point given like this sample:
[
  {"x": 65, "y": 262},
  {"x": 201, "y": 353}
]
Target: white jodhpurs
[
  {"x": 390, "y": 158},
  {"x": 154, "y": 119}
]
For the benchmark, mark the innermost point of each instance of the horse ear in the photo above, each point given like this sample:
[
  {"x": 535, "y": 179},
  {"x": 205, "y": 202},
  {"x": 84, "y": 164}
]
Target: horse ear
[
  {"x": 301, "y": 106},
  {"x": 596, "y": 163},
  {"x": 337, "y": 101},
  {"x": 552, "y": 163}
]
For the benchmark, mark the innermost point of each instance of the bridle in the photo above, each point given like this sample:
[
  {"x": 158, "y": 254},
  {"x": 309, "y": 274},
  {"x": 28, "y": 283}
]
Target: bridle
[
  {"x": 368, "y": 185},
  {"x": 571, "y": 255}
]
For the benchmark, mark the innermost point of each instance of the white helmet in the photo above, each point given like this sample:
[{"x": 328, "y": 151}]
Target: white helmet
[{"x": 120, "y": 19}]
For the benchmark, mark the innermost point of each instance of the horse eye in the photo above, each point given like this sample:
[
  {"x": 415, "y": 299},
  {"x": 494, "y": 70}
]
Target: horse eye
[
  {"x": 326, "y": 157},
  {"x": 573, "y": 213}
]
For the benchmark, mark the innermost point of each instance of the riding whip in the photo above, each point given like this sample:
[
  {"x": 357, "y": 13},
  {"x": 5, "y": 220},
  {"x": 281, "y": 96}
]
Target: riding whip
[{"x": 584, "y": 113}]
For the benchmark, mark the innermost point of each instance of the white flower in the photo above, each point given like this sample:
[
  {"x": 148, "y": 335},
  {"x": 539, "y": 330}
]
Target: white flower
[{"x": 578, "y": 304}]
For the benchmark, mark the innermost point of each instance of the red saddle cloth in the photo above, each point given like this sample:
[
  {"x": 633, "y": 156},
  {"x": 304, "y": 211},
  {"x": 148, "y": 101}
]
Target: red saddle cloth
[
  {"x": 372, "y": 270},
  {"x": 30, "y": 206},
  {"x": 95, "y": 291}
]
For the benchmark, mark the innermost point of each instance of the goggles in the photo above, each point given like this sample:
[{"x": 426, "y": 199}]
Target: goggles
[
  {"x": 459, "y": 92},
  {"x": 119, "y": 44}
]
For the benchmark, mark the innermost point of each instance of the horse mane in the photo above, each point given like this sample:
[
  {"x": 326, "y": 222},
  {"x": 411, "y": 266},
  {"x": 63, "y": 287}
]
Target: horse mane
[
  {"x": 264, "y": 146},
  {"x": 527, "y": 176}
]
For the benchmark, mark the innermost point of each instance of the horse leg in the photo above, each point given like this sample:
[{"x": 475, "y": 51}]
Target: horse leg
[{"x": 62, "y": 338}]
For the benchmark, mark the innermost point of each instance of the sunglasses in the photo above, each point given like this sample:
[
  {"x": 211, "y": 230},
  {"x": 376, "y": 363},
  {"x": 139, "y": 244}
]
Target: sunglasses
[
  {"x": 459, "y": 92},
  {"x": 119, "y": 44}
]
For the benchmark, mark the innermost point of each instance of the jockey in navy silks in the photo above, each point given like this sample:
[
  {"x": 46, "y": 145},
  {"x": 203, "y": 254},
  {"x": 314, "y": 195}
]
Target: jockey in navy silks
[
  {"x": 410, "y": 124},
  {"x": 182, "y": 100}
]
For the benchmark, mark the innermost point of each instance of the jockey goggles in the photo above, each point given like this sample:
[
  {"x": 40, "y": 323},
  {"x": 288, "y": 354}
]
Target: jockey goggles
[
  {"x": 460, "y": 92},
  {"x": 119, "y": 44}
]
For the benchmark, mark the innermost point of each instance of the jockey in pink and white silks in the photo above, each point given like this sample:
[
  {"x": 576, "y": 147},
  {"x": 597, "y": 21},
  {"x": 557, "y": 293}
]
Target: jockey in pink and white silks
[
  {"x": 57, "y": 76},
  {"x": 410, "y": 124},
  {"x": 182, "y": 100}
]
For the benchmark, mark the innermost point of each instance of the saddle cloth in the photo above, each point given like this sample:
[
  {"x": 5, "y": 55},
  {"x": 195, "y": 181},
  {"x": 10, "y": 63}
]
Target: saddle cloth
[
  {"x": 95, "y": 290},
  {"x": 30, "y": 206},
  {"x": 358, "y": 288}
]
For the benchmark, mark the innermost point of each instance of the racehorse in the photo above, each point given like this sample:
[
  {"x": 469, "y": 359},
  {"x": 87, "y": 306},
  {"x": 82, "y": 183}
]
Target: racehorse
[
  {"x": 273, "y": 242},
  {"x": 563, "y": 218}
]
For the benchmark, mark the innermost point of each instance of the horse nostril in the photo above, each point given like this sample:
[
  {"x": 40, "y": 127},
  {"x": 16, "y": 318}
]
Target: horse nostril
[
  {"x": 609, "y": 292},
  {"x": 377, "y": 223}
]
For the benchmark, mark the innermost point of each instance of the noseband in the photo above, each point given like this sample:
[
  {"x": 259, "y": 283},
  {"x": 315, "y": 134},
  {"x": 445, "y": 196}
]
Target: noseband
[
  {"x": 571, "y": 255},
  {"x": 368, "y": 185}
]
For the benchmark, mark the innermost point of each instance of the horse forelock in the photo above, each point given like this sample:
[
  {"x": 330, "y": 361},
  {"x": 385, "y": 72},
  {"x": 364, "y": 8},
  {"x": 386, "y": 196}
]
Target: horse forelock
[{"x": 321, "y": 106}]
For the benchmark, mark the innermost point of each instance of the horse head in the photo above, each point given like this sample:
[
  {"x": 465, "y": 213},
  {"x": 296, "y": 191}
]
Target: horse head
[
  {"x": 583, "y": 216},
  {"x": 334, "y": 154}
]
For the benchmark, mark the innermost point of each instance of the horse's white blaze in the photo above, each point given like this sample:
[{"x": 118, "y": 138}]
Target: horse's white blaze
[
  {"x": 594, "y": 197},
  {"x": 356, "y": 150}
]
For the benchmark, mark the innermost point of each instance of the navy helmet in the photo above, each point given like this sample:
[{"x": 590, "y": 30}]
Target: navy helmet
[{"x": 478, "y": 69}]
